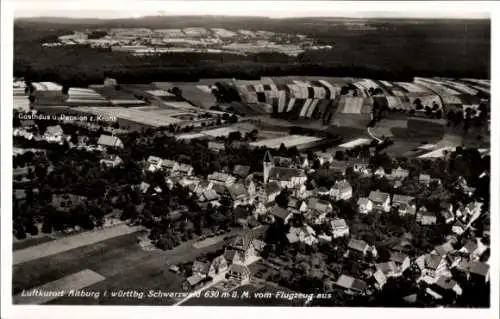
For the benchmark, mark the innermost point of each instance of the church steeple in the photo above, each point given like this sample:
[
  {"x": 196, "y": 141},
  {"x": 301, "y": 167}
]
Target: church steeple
[{"x": 268, "y": 164}]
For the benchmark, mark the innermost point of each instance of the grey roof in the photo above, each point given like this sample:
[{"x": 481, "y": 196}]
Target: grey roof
[
  {"x": 402, "y": 199},
  {"x": 446, "y": 283},
  {"x": 241, "y": 269},
  {"x": 273, "y": 187},
  {"x": 200, "y": 267},
  {"x": 108, "y": 140},
  {"x": 237, "y": 191},
  {"x": 432, "y": 261},
  {"x": 279, "y": 212},
  {"x": 285, "y": 173},
  {"x": 241, "y": 170},
  {"x": 363, "y": 200},
  {"x": 342, "y": 185},
  {"x": 444, "y": 249},
  {"x": 53, "y": 130},
  {"x": 357, "y": 244},
  {"x": 345, "y": 281},
  {"x": 378, "y": 197},
  {"x": 479, "y": 268},
  {"x": 387, "y": 267},
  {"x": 398, "y": 257}
]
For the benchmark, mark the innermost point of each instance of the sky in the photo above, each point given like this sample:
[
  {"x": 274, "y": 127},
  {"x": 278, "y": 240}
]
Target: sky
[{"x": 109, "y": 9}]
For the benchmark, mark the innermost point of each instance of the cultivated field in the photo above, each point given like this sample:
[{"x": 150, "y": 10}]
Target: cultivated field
[{"x": 69, "y": 243}]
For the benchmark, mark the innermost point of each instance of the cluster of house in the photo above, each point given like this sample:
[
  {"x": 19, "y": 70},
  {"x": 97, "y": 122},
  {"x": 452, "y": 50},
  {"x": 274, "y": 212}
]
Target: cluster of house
[
  {"x": 231, "y": 266},
  {"x": 461, "y": 217},
  {"x": 53, "y": 134},
  {"x": 440, "y": 269}
]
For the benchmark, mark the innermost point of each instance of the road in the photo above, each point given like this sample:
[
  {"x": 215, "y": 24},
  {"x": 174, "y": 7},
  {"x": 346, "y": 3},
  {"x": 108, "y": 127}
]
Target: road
[{"x": 373, "y": 136}]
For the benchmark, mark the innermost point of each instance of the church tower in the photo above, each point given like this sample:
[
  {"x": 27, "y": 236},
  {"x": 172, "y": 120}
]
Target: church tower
[{"x": 268, "y": 164}]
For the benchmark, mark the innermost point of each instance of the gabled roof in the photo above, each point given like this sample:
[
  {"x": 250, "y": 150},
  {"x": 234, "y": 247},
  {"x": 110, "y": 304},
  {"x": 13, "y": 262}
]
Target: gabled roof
[
  {"x": 200, "y": 267},
  {"x": 432, "y": 261},
  {"x": 357, "y": 244},
  {"x": 54, "y": 130},
  {"x": 479, "y": 268},
  {"x": 446, "y": 283},
  {"x": 402, "y": 199},
  {"x": 444, "y": 249},
  {"x": 241, "y": 170},
  {"x": 108, "y": 140},
  {"x": 338, "y": 223},
  {"x": 273, "y": 187},
  {"x": 210, "y": 194},
  {"x": 242, "y": 241},
  {"x": 379, "y": 277},
  {"x": 154, "y": 160},
  {"x": 218, "y": 261},
  {"x": 363, "y": 201},
  {"x": 398, "y": 257},
  {"x": 237, "y": 190},
  {"x": 279, "y": 212},
  {"x": 285, "y": 173},
  {"x": 345, "y": 281},
  {"x": 342, "y": 185},
  {"x": 169, "y": 164},
  {"x": 378, "y": 197},
  {"x": 387, "y": 267}
]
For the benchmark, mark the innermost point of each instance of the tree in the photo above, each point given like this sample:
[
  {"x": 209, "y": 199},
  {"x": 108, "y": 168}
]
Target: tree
[{"x": 339, "y": 155}]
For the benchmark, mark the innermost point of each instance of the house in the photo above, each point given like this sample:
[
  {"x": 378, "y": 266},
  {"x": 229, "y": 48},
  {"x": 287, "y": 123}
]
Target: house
[
  {"x": 283, "y": 161},
  {"x": 279, "y": 213},
  {"x": 209, "y": 195},
  {"x": 444, "y": 249},
  {"x": 185, "y": 170},
  {"x": 359, "y": 248},
  {"x": 301, "y": 161},
  {"x": 144, "y": 187},
  {"x": 320, "y": 205},
  {"x": 341, "y": 190},
  {"x": 389, "y": 269},
  {"x": 297, "y": 204},
  {"x": 363, "y": 169},
  {"x": 432, "y": 265},
  {"x": 200, "y": 268},
  {"x": 381, "y": 201},
  {"x": 479, "y": 270},
  {"x": 399, "y": 173},
  {"x": 365, "y": 205},
  {"x": 216, "y": 146},
  {"x": 447, "y": 285},
  {"x": 473, "y": 249},
  {"x": 54, "y": 134},
  {"x": 425, "y": 217},
  {"x": 194, "y": 282},
  {"x": 272, "y": 190},
  {"x": 323, "y": 158},
  {"x": 112, "y": 161},
  {"x": 153, "y": 163},
  {"x": 473, "y": 210},
  {"x": 238, "y": 193},
  {"x": 240, "y": 250},
  {"x": 221, "y": 178},
  {"x": 241, "y": 171},
  {"x": 239, "y": 274},
  {"x": 378, "y": 279},
  {"x": 401, "y": 261},
  {"x": 218, "y": 266},
  {"x": 200, "y": 187},
  {"x": 287, "y": 177},
  {"x": 169, "y": 165},
  {"x": 352, "y": 285},
  {"x": 379, "y": 172},
  {"x": 339, "y": 228},
  {"x": 109, "y": 141},
  {"x": 304, "y": 234},
  {"x": 250, "y": 186},
  {"x": 424, "y": 179},
  {"x": 459, "y": 228},
  {"x": 405, "y": 205}
]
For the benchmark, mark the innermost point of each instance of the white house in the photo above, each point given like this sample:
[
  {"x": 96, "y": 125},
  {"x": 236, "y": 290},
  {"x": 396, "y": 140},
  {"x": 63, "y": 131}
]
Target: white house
[
  {"x": 221, "y": 178},
  {"x": 153, "y": 163},
  {"x": 365, "y": 205},
  {"x": 381, "y": 201},
  {"x": 54, "y": 134},
  {"x": 112, "y": 161},
  {"x": 342, "y": 190},
  {"x": 287, "y": 177},
  {"x": 339, "y": 228},
  {"x": 110, "y": 141}
]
